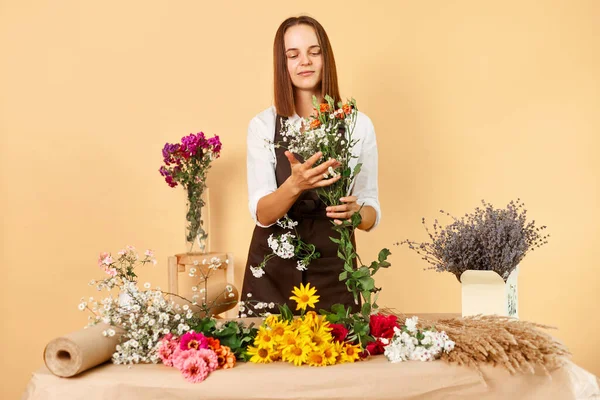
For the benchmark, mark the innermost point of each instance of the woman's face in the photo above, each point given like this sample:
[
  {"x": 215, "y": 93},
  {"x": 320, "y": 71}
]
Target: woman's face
[{"x": 304, "y": 57}]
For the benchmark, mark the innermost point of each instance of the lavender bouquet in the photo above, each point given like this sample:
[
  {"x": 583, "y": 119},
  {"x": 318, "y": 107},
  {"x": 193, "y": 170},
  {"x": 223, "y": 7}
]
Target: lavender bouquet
[{"x": 487, "y": 239}]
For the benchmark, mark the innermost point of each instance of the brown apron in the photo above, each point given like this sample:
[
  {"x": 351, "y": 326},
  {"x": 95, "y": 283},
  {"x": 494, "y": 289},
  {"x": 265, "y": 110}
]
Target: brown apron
[{"x": 281, "y": 275}]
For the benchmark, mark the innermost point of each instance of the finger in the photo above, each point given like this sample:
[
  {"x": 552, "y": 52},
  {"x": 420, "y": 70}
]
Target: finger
[
  {"x": 349, "y": 199},
  {"x": 337, "y": 221},
  {"x": 340, "y": 215},
  {"x": 313, "y": 159},
  {"x": 321, "y": 169},
  {"x": 291, "y": 158},
  {"x": 340, "y": 208},
  {"x": 326, "y": 182}
]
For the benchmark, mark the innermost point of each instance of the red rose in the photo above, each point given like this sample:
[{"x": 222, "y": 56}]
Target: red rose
[
  {"x": 339, "y": 332},
  {"x": 375, "y": 347},
  {"x": 382, "y": 326}
]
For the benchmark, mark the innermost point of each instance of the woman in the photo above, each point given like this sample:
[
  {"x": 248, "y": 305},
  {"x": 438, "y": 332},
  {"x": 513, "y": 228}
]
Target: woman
[{"x": 280, "y": 184}]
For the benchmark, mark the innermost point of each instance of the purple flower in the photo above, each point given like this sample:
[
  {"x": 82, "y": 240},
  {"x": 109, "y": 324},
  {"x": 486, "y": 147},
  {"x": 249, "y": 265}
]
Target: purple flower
[{"x": 215, "y": 143}]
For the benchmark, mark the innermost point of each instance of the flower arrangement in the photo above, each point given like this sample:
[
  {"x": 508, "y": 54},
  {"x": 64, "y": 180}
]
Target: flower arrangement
[
  {"x": 329, "y": 131},
  {"x": 187, "y": 164},
  {"x": 411, "y": 343},
  {"x": 150, "y": 322},
  {"x": 487, "y": 239}
]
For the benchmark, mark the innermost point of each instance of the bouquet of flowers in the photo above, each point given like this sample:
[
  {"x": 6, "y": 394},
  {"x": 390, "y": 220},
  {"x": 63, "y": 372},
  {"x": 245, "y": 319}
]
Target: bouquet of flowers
[
  {"x": 411, "y": 343},
  {"x": 330, "y": 131},
  {"x": 154, "y": 326},
  {"x": 187, "y": 163},
  {"x": 488, "y": 239}
]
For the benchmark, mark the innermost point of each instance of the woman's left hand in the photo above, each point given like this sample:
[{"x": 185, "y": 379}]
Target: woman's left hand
[{"x": 343, "y": 211}]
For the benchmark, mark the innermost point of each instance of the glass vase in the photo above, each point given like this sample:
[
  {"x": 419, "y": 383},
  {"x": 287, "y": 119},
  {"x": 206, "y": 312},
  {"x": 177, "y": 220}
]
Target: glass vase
[{"x": 197, "y": 220}]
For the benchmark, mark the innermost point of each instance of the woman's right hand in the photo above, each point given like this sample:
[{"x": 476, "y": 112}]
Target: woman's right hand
[{"x": 305, "y": 177}]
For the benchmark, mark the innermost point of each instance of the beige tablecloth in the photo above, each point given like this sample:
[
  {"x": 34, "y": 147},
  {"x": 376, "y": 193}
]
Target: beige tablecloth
[{"x": 375, "y": 378}]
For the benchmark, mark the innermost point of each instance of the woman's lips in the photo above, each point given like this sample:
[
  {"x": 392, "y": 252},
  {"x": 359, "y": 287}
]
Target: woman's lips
[{"x": 306, "y": 73}]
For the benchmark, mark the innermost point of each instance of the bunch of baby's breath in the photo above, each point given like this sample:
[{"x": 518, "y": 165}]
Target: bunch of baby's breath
[{"x": 488, "y": 239}]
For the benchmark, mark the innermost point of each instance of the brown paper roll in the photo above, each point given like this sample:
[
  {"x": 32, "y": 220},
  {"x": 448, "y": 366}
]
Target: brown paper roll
[
  {"x": 217, "y": 297},
  {"x": 79, "y": 351}
]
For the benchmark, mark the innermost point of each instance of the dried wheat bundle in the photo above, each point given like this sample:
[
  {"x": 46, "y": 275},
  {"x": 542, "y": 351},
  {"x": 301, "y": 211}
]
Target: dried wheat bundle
[{"x": 518, "y": 346}]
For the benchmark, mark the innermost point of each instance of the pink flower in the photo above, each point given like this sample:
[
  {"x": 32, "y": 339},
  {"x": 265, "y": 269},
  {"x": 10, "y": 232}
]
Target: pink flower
[
  {"x": 104, "y": 259},
  {"x": 179, "y": 356},
  {"x": 168, "y": 346},
  {"x": 149, "y": 253},
  {"x": 193, "y": 340},
  {"x": 210, "y": 357},
  {"x": 110, "y": 271},
  {"x": 194, "y": 368}
]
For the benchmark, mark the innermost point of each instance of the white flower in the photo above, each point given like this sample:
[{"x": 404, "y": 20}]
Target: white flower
[
  {"x": 271, "y": 305},
  {"x": 111, "y": 332},
  {"x": 82, "y": 306},
  {"x": 301, "y": 265},
  {"x": 411, "y": 324},
  {"x": 257, "y": 272},
  {"x": 147, "y": 285},
  {"x": 149, "y": 253}
]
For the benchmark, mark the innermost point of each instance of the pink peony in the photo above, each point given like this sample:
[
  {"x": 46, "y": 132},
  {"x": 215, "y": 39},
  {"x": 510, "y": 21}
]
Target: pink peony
[
  {"x": 194, "y": 368},
  {"x": 168, "y": 346},
  {"x": 193, "y": 340}
]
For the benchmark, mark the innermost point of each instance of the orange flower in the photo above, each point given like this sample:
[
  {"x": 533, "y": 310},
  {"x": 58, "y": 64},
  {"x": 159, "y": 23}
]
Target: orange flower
[
  {"x": 213, "y": 344},
  {"x": 347, "y": 109},
  {"x": 225, "y": 357},
  {"x": 315, "y": 123},
  {"x": 339, "y": 114},
  {"x": 324, "y": 107}
]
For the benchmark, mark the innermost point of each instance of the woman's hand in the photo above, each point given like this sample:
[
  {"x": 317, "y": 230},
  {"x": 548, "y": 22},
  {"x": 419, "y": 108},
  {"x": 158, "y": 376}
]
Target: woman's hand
[
  {"x": 343, "y": 211},
  {"x": 305, "y": 177}
]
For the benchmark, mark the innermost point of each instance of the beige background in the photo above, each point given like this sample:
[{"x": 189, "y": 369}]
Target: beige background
[{"x": 470, "y": 100}]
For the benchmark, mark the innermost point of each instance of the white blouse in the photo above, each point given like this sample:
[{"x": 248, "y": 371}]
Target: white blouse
[{"x": 261, "y": 161}]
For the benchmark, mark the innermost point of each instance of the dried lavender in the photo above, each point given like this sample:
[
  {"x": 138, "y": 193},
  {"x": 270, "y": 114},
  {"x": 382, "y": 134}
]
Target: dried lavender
[{"x": 488, "y": 239}]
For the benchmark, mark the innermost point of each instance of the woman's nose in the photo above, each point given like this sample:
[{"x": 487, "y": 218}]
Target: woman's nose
[{"x": 305, "y": 60}]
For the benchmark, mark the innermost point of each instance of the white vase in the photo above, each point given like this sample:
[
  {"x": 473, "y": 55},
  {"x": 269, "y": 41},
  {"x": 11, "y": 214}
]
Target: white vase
[{"x": 486, "y": 293}]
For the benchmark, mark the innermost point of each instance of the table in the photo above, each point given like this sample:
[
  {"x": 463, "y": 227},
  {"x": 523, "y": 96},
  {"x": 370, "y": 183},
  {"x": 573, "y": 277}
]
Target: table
[{"x": 374, "y": 378}]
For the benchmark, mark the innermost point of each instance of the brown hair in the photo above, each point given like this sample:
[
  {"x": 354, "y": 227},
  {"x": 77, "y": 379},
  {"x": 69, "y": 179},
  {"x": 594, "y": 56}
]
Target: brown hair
[{"x": 284, "y": 91}]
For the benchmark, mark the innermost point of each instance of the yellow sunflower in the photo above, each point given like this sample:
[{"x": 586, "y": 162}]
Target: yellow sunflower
[
  {"x": 264, "y": 338},
  {"x": 316, "y": 359},
  {"x": 351, "y": 353},
  {"x": 321, "y": 338},
  {"x": 296, "y": 354},
  {"x": 260, "y": 354},
  {"x": 330, "y": 354},
  {"x": 305, "y": 296},
  {"x": 279, "y": 329},
  {"x": 338, "y": 348}
]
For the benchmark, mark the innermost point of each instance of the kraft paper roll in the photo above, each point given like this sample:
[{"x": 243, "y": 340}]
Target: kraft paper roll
[
  {"x": 217, "y": 297},
  {"x": 79, "y": 351}
]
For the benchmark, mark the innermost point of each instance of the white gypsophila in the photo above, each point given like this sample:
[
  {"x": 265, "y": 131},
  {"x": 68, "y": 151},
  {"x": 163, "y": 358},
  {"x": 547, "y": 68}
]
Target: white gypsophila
[
  {"x": 286, "y": 222},
  {"x": 411, "y": 324},
  {"x": 301, "y": 265},
  {"x": 144, "y": 318},
  {"x": 257, "y": 272}
]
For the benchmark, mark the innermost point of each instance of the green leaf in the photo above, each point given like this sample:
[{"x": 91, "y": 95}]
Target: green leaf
[
  {"x": 334, "y": 240},
  {"x": 357, "y": 169},
  {"x": 367, "y": 283},
  {"x": 343, "y": 275},
  {"x": 366, "y": 309},
  {"x": 383, "y": 255}
]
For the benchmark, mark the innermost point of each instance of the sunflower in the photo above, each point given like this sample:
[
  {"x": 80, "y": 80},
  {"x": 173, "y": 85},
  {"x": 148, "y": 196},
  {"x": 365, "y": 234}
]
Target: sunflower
[
  {"x": 330, "y": 354},
  {"x": 296, "y": 353},
  {"x": 279, "y": 329},
  {"x": 351, "y": 352},
  {"x": 259, "y": 354},
  {"x": 316, "y": 359},
  {"x": 321, "y": 338},
  {"x": 264, "y": 338},
  {"x": 338, "y": 348},
  {"x": 305, "y": 296}
]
